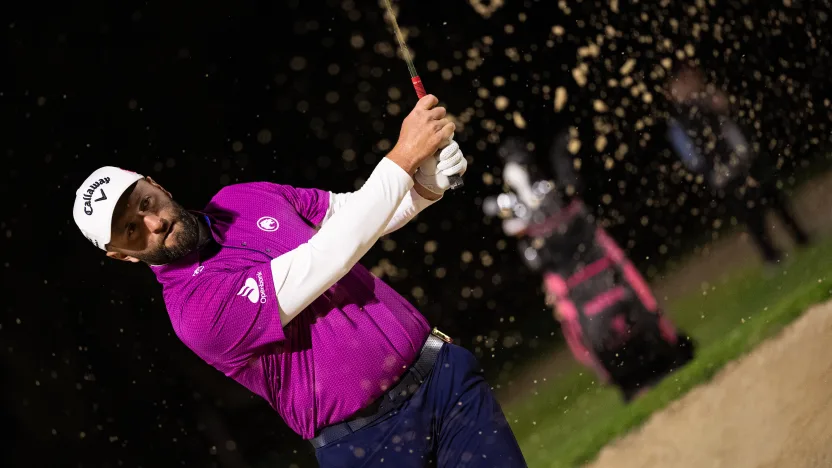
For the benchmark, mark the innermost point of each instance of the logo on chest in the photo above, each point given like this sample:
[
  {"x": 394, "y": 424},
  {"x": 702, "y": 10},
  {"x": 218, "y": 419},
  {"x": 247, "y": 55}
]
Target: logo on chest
[{"x": 268, "y": 224}]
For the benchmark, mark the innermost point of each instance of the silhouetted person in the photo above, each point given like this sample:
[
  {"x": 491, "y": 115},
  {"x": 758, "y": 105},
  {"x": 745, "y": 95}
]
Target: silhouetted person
[{"x": 712, "y": 145}]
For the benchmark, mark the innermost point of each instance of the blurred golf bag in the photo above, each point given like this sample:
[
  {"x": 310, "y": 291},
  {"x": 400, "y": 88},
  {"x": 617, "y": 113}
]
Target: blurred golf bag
[{"x": 609, "y": 317}]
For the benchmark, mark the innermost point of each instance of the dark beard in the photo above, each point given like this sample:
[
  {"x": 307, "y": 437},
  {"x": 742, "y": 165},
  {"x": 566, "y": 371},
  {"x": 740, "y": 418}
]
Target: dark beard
[{"x": 188, "y": 239}]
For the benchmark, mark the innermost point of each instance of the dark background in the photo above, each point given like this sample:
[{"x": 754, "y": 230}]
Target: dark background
[{"x": 203, "y": 94}]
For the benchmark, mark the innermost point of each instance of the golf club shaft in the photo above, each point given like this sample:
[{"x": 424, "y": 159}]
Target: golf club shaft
[{"x": 455, "y": 180}]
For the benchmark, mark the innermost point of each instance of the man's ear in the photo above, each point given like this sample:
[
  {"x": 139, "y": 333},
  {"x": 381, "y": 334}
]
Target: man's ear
[
  {"x": 122, "y": 257},
  {"x": 156, "y": 184}
]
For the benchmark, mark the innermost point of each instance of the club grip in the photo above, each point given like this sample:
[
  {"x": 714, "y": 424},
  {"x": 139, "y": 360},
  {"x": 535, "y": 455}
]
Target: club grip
[
  {"x": 419, "y": 87},
  {"x": 455, "y": 180}
]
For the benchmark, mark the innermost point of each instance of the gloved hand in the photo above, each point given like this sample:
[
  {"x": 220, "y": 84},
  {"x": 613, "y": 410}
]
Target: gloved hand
[{"x": 434, "y": 172}]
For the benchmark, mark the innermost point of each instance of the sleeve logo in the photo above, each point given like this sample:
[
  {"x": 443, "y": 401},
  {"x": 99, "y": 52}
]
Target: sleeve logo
[
  {"x": 254, "y": 291},
  {"x": 250, "y": 291}
]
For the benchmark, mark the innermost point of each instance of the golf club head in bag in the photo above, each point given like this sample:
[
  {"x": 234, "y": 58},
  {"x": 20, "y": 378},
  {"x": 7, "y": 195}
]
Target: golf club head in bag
[
  {"x": 516, "y": 206},
  {"x": 515, "y": 150},
  {"x": 522, "y": 174},
  {"x": 528, "y": 202},
  {"x": 563, "y": 165}
]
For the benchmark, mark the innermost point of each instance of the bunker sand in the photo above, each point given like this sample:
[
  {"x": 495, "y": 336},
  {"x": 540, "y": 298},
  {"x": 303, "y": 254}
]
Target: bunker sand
[{"x": 771, "y": 408}]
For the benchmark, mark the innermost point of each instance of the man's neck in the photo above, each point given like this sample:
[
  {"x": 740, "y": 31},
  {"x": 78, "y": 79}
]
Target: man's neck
[{"x": 205, "y": 236}]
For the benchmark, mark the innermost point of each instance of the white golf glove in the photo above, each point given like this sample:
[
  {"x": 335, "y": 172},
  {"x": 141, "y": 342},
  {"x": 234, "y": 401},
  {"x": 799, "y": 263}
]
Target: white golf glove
[{"x": 434, "y": 172}]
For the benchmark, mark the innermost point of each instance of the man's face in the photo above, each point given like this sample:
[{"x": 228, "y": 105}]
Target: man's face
[{"x": 149, "y": 226}]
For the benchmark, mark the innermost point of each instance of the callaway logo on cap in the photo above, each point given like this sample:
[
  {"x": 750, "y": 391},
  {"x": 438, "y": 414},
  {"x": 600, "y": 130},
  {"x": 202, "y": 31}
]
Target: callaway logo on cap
[{"x": 96, "y": 200}]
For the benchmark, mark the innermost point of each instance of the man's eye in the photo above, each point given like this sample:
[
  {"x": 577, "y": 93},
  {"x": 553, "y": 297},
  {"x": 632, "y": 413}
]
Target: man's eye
[{"x": 144, "y": 204}]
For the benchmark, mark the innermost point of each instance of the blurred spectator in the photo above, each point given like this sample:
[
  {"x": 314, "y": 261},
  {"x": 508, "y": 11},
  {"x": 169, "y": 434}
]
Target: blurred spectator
[{"x": 712, "y": 145}]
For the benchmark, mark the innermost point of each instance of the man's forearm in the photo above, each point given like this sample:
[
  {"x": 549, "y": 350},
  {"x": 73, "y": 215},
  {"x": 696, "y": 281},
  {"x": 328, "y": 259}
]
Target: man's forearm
[
  {"x": 303, "y": 274},
  {"x": 413, "y": 203}
]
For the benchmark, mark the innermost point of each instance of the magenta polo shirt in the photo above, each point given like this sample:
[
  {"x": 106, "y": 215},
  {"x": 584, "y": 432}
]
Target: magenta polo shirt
[{"x": 341, "y": 353}]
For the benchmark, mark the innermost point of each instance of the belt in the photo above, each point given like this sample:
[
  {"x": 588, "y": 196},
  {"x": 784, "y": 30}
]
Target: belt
[{"x": 395, "y": 397}]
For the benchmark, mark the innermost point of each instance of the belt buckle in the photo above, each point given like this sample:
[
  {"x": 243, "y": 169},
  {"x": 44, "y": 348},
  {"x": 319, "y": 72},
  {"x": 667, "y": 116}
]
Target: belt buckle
[{"x": 447, "y": 339}]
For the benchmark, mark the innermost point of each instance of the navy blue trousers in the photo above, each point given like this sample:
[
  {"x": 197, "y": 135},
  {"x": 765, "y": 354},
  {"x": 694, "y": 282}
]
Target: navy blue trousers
[{"x": 452, "y": 421}]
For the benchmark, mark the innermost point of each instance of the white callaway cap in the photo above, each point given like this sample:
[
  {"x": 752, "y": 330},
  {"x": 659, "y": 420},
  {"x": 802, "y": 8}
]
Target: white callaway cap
[{"x": 96, "y": 200}]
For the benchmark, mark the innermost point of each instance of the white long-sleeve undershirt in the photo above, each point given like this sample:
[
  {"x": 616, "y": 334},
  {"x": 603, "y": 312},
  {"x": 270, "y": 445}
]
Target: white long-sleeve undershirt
[
  {"x": 352, "y": 225},
  {"x": 411, "y": 205}
]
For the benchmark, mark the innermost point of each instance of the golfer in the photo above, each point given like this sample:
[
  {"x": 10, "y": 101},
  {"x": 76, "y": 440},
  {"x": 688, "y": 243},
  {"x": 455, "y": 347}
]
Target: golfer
[{"x": 264, "y": 285}]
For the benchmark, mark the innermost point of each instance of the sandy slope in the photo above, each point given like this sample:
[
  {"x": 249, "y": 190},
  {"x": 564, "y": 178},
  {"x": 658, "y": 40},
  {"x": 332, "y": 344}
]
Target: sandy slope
[{"x": 770, "y": 409}]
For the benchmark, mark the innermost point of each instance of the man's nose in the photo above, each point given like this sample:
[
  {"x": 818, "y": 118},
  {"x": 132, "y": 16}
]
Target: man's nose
[{"x": 154, "y": 223}]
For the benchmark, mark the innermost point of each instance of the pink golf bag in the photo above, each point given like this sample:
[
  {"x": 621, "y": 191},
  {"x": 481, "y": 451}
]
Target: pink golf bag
[{"x": 609, "y": 317}]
